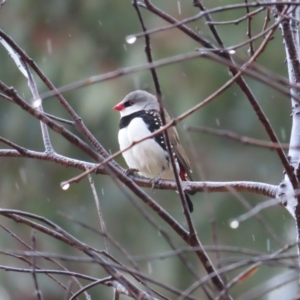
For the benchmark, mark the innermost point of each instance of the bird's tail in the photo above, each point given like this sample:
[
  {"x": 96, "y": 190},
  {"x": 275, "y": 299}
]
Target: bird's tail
[
  {"x": 184, "y": 176},
  {"x": 189, "y": 202}
]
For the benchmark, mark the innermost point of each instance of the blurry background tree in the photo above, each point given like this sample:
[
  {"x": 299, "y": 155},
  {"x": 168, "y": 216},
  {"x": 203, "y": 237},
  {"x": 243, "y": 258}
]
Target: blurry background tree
[{"x": 72, "y": 40}]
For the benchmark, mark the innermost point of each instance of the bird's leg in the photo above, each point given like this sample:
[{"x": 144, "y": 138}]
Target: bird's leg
[
  {"x": 131, "y": 172},
  {"x": 156, "y": 178}
]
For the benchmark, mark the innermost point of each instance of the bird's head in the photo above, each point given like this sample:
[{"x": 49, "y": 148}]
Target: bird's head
[{"x": 136, "y": 101}]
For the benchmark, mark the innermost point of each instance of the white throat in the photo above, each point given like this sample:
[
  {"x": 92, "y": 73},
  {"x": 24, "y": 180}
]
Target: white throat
[{"x": 130, "y": 110}]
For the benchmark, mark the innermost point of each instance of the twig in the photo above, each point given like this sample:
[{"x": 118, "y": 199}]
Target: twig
[
  {"x": 253, "y": 211},
  {"x": 150, "y": 257},
  {"x": 231, "y": 135},
  {"x": 234, "y": 266},
  {"x": 48, "y": 271},
  {"x": 100, "y": 215},
  {"x": 61, "y": 120},
  {"x": 237, "y": 21},
  {"x": 59, "y": 233},
  {"x": 267, "y": 78},
  {"x": 257, "y": 216},
  {"x": 53, "y": 125},
  {"x": 21, "y": 150},
  {"x": 37, "y": 290},
  {"x": 127, "y": 291},
  {"x": 78, "y": 121},
  {"x": 122, "y": 250},
  {"x": 5, "y": 97},
  {"x": 208, "y": 248},
  {"x": 180, "y": 24},
  {"x": 273, "y": 284},
  {"x": 209, "y": 22},
  {"x": 47, "y": 114},
  {"x": 267, "y": 19},
  {"x": 249, "y": 34},
  {"x": 251, "y": 268},
  {"x": 37, "y": 254},
  {"x": 68, "y": 291},
  {"x": 37, "y": 103},
  {"x": 85, "y": 288},
  {"x": 240, "y": 277}
]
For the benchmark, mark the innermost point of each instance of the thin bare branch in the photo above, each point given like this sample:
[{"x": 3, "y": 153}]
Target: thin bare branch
[
  {"x": 36, "y": 285},
  {"x": 239, "y": 20},
  {"x": 99, "y": 212},
  {"x": 242, "y": 139},
  {"x": 249, "y": 33},
  {"x": 84, "y": 289}
]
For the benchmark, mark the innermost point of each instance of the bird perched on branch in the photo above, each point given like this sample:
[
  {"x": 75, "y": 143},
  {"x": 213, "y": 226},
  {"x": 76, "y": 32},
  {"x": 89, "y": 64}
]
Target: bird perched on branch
[{"x": 140, "y": 117}]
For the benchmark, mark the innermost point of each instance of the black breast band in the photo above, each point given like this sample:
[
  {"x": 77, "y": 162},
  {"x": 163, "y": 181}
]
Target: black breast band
[
  {"x": 124, "y": 122},
  {"x": 152, "y": 120}
]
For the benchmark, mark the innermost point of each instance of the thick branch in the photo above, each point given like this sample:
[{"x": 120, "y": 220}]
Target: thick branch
[{"x": 259, "y": 188}]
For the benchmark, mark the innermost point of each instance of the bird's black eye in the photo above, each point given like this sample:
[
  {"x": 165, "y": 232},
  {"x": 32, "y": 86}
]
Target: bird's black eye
[{"x": 129, "y": 103}]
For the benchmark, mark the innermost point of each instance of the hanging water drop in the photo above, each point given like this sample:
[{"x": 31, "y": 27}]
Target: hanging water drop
[
  {"x": 130, "y": 39},
  {"x": 234, "y": 224},
  {"x": 65, "y": 186}
]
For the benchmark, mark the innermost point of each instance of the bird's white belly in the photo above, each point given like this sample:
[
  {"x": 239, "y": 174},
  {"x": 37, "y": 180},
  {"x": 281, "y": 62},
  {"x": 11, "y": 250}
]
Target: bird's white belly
[{"x": 147, "y": 156}]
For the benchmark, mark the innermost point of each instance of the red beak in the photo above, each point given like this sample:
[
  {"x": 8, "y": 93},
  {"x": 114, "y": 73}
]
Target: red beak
[{"x": 120, "y": 106}]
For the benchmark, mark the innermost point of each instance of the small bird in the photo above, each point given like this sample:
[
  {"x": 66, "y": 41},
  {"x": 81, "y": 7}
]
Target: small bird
[{"x": 140, "y": 116}]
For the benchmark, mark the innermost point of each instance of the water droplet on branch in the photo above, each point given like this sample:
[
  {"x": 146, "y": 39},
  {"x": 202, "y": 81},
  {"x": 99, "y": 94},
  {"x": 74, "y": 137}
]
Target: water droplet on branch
[
  {"x": 234, "y": 224},
  {"x": 130, "y": 39},
  {"x": 37, "y": 103},
  {"x": 65, "y": 186}
]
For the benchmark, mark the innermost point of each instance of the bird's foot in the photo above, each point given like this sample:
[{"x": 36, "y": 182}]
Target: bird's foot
[
  {"x": 131, "y": 172},
  {"x": 155, "y": 180}
]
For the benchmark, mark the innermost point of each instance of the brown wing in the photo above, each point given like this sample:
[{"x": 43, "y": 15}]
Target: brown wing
[{"x": 179, "y": 151}]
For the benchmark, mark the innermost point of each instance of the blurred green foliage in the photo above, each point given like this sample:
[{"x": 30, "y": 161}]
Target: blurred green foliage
[{"x": 71, "y": 40}]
